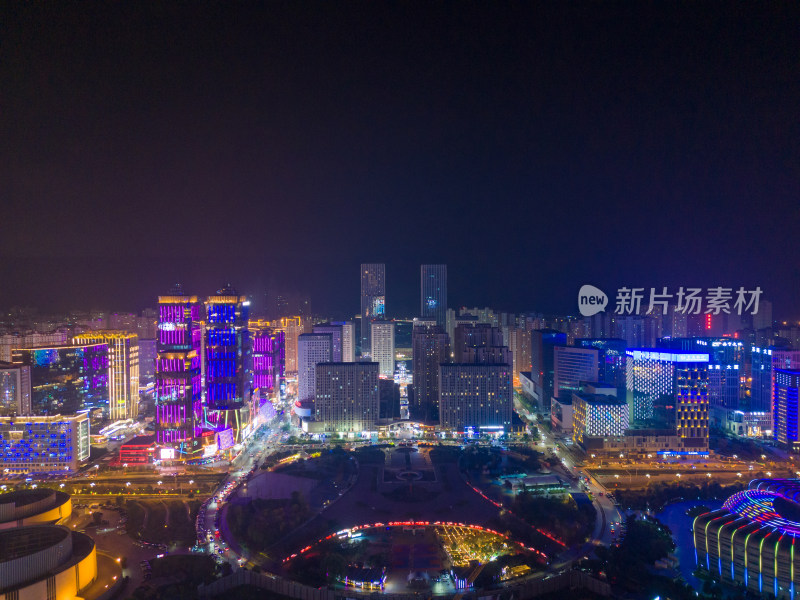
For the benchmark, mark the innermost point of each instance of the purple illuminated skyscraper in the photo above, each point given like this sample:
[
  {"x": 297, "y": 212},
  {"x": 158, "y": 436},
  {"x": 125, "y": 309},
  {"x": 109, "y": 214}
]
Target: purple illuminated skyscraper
[{"x": 178, "y": 390}]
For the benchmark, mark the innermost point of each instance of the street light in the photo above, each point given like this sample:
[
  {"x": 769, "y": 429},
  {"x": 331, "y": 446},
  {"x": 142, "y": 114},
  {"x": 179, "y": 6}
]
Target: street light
[
  {"x": 738, "y": 474},
  {"x": 647, "y": 475},
  {"x": 769, "y": 473},
  {"x": 678, "y": 475},
  {"x": 708, "y": 474}
]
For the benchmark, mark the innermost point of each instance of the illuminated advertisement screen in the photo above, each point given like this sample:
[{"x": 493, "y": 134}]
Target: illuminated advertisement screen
[
  {"x": 225, "y": 439},
  {"x": 167, "y": 454}
]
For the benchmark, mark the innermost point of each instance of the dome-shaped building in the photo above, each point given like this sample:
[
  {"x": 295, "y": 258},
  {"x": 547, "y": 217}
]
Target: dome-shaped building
[
  {"x": 45, "y": 561},
  {"x": 32, "y": 507},
  {"x": 752, "y": 539}
]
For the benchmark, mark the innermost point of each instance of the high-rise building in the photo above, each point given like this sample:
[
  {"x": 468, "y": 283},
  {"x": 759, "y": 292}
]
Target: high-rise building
[
  {"x": 430, "y": 348},
  {"x": 475, "y": 396},
  {"x": 54, "y": 444},
  {"x": 787, "y": 408},
  {"x": 179, "y": 389},
  {"x": 382, "y": 352},
  {"x": 543, "y": 343},
  {"x": 726, "y": 367},
  {"x": 269, "y": 360},
  {"x": 476, "y": 339},
  {"x": 373, "y": 300},
  {"x": 337, "y": 339},
  {"x": 433, "y": 293},
  {"x": 312, "y": 350},
  {"x": 227, "y": 351},
  {"x": 15, "y": 389},
  {"x": 66, "y": 379},
  {"x": 611, "y": 360},
  {"x": 670, "y": 388},
  {"x": 148, "y": 353},
  {"x": 519, "y": 342},
  {"x": 596, "y": 415},
  {"x": 763, "y": 318},
  {"x": 571, "y": 365},
  {"x": 348, "y": 340},
  {"x": 123, "y": 374},
  {"x": 347, "y": 396}
]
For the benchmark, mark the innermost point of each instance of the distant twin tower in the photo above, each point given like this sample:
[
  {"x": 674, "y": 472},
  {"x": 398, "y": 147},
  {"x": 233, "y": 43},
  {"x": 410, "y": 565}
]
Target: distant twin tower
[{"x": 433, "y": 295}]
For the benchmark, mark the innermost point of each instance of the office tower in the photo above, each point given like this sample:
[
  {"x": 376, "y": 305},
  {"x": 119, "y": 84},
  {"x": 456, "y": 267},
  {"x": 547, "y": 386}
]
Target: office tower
[
  {"x": 348, "y": 340},
  {"x": 227, "y": 351},
  {"x": 763, "y": 318},
  {"x": 293, "y": 327},
  {"x": 382, "y": 352},
  {"x": 611, "y": 360},
  {"x": 632, "y": 330},
  {"x": 598, "y": 415},
  {"x": 433, "y": 293},
  {"x": 787, "y": 408},
  {"x": 389, "y": 399},
  {"x": 726, "y": 366},
  {"x": 476, "y": 396},
  {"x": 520, "y": 344},
  {"x": 178, "y": 392},
  {"x": 571, "y": 365},
  {"x": 312, "y": 349},
  {"x": 337, "y": 339},
  {"x": 123, "y": 374},
  {"x": 55, "y": 444},
  {"x": 66, "y": 379},
  {"x": 148, "y": 353},
  {"x": 15, "y": 389},
  {"x": 347, "y": 396},
  {"x": 543, "y": 343},
  {"x": 268, "y": 360},
  {"x": 373, "y": 300},
  {"x": 430, "y": 348},
  {"x": 671, "y": 389},
  {"x": 474, "y": 336}
]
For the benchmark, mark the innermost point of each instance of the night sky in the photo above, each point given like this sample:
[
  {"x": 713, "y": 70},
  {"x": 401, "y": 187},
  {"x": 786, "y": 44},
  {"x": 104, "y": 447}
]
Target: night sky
[{"x": 533, "y": 148}]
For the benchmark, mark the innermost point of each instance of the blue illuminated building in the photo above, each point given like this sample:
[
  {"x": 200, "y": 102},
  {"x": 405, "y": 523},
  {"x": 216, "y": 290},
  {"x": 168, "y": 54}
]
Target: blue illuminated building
[
  {"x": 433, "y": 293},
  {"x": 787, "y": 408},
  {"x": 227, "y": 351}
]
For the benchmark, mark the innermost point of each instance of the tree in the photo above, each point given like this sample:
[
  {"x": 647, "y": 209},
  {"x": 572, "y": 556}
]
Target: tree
[{"x": 97, "y": 517}]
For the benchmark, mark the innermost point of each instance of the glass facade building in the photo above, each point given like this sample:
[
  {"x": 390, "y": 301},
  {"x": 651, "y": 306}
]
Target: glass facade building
[
  {"x": 433, "y": 292},
  {"x": 373, "y": 300},
  {"x": 66, "y": 379}
]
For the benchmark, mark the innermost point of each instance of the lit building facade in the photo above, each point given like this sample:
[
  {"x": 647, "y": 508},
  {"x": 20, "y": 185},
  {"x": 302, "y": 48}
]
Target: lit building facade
[
  {"x": 337, "y": 339},
  {"x": 475, "y": 395},
  {"x": 611, "y": 360},
  {"x": 373, "y": 300},
  {"x": 53, "y": 444},
  {"x": 651, "y": 377},
  {"x": 543, "y": 344},
  {"x": 347, "y": 396},
  {"x": 571, "y": 365},
  {"x": 430, "y": 348},
  {"x": 433, "y": 293},
  {"x": 66, "y": 379},
  {"x": 313, "y": 349},
  {"x": 750, "y": 541},
  {"x": 227, "y": 351},
  {"x": 269, "y": 360},
  {"x": 123, "y": 371},
  {"x": 598, "y": 415},
  {"x": 15, "y": 389},
  {"x": 787, "y": 408},
  {"x": 382, "y": 351},
  {"x": 178, "y": 390}
]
